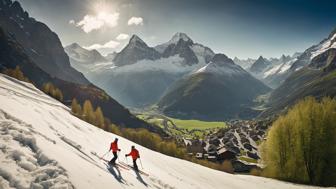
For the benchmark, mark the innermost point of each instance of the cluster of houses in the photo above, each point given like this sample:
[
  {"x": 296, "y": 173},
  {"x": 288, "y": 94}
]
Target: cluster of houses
[
  {"x": 240, "y": 139},
  {"x": 203, "y": 150}
]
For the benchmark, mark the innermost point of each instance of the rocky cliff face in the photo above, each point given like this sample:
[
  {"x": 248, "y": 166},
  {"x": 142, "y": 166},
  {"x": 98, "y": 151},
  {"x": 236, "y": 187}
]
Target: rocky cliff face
[{"x": 41, "y": 44}]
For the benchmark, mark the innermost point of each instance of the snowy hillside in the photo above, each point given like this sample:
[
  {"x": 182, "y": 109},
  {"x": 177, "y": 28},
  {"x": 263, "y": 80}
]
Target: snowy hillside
[{"x": 42, "y": 144}]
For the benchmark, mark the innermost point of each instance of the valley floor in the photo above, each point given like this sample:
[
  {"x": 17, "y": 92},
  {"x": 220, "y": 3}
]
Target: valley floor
[{"x": 42, "y": 145}]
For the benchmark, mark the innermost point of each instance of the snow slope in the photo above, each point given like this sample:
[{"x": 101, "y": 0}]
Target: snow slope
[
  {"x": 228, "y": 69},
  {"x": 324, "y": 46},
  {"x": 43, "y": 145}
]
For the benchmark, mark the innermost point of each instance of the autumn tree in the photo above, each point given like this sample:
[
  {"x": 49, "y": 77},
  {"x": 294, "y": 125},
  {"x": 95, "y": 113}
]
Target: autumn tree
[
  {"x": 16, "y": 73},
  {"x": 76, "y": 107},
  {"x": 53, "y": 91},
  {"x": 99, "y": 117},
  {"x": 58, "y": 94},
  {"x": 88, "y": 112}
]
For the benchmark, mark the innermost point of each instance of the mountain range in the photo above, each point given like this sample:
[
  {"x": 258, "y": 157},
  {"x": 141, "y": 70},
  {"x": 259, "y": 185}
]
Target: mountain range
[
  {"x": 188, "y": 80},
  {"x": 141, "y": 76},
  {"x": 272, "y": 71},
  {"x": 313, "y": 74}
]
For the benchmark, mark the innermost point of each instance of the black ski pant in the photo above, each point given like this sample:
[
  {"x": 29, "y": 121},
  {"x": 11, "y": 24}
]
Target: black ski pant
[
  {"x": 115, "y": 157},
  {"x": 135, "y": 165}
]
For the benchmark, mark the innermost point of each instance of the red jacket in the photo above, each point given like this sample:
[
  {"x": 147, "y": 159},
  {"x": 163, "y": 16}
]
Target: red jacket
[
  {"x": 134, "y": 153},
  {"x": 114, "y": 146}
]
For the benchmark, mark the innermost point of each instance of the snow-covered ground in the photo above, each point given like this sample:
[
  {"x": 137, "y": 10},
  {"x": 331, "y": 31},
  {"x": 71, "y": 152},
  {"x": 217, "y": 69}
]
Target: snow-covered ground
[{"x": 42, "y": 145}]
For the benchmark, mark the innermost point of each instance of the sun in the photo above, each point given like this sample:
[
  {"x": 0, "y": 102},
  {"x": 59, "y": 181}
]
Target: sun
[{"x": 102, "y": 7}]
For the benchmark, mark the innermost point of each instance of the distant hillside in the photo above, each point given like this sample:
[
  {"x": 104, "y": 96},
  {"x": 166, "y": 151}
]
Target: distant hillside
[{"x": 220, "y": 90}]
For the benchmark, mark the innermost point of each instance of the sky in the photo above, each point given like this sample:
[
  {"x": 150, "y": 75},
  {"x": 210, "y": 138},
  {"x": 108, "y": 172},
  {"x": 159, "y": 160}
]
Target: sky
[{"x": 241, "y": 28}]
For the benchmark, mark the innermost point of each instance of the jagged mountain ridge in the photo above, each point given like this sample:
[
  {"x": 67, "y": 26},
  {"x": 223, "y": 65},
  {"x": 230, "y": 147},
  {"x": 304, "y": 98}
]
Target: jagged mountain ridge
[
  {"x": 134, "y": 51},
  {"x": 272, "y": 71},
  {"x": 139, "y": 74},
  {"x": 314, "y": 76},
  {"x": 244, "y": 63}
]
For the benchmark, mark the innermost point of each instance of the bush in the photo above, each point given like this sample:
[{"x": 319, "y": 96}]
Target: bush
[
  {"x": 255, "y": 172},
  {"x": 301, "y": 145},
  {"x": 226, "y": 166}
]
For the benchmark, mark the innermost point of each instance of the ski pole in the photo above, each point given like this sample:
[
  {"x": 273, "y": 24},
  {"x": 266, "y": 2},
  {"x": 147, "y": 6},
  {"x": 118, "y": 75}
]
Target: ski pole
[
  {"x": 126, "y": 159},
  {"x": 104, "y": 154},
  {"x": 141, "y": 163},
  {"x": 118, "y": 157}
]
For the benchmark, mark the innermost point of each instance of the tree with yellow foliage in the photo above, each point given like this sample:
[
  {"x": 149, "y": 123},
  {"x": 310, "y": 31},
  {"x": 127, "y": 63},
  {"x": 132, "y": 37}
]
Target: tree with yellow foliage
[
  {"x": 99, "y": 117},
  {"x": 301, "y": 145}
]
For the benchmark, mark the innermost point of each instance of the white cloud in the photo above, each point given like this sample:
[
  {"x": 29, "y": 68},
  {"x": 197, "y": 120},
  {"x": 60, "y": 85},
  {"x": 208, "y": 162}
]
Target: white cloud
[
  {"x": 135, "y": 21},
  {"x": 109, "y": 45},
  {"x": 72, "y": 22},
  {"x": 122, "y": 36},
  {"x": 95, "y": 22}
]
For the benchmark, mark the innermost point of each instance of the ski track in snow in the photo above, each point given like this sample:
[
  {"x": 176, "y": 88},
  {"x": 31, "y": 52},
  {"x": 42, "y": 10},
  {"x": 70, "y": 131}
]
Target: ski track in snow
[{"x": 42, "y": 145}]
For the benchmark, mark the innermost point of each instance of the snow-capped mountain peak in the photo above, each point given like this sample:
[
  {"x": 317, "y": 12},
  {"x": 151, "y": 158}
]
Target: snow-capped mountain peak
[
  {"x": 82, "y": 55},
  {"x": 221, "y": 64},
  {"x": 135, "y": 51},
  {"x": 74, "y": 46},
  {"x": 261, "y": 58},
  {"x": 135, "y": 40},
  {"x": 179, "y": 36},
  {"x": 221, "y": 59}
]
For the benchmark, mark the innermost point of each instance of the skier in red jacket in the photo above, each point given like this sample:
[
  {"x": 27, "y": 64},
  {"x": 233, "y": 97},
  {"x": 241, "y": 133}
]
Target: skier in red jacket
[
  {"x": 115, "y": 149},
  {"x": 135, "y": 155}
]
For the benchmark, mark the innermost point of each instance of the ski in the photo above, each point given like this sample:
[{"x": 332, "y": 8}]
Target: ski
[
  {"x": 130, "y": 166},
  {"x": 116, "y": 165}
]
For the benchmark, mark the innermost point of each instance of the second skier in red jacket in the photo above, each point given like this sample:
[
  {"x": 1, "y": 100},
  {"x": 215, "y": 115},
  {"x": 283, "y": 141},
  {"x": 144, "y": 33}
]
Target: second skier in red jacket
[{"x": 135, "y": 155}]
